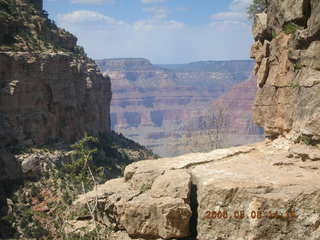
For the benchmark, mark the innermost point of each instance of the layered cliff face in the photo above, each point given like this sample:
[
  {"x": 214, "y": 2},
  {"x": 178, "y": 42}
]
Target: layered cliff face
[
  {"x": 67, "y": 98},
  {"x": 152, "y": 104},
  {"x": 49, "y": 89},
  {"x": 287, "y": 52}
]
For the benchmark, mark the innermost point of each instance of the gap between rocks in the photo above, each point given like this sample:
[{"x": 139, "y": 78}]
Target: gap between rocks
[{"x": 194, "y": 208}]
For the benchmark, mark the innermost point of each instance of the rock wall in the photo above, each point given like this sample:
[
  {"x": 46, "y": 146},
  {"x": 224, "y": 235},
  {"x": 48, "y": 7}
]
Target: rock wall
[
  {"x": 53, "y": 96},
  {"x": 49, "y": 89},
  {"x": 287, "y": 51}
]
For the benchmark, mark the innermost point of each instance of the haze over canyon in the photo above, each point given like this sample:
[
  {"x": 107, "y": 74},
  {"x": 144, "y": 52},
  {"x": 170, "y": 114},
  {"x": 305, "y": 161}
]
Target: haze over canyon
[{"x": 172, "y": 108}]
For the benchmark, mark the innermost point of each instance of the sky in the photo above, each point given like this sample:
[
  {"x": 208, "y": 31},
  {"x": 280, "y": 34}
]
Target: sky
[{"x": 163, "y": 31}]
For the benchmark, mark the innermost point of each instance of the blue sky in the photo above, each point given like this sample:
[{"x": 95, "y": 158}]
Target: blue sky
[{"x": 164, "y": 31}]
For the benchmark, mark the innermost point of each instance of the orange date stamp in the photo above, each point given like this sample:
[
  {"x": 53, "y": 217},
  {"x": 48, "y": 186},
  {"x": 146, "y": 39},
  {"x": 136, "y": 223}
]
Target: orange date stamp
[{"x": 255, "y": 214}]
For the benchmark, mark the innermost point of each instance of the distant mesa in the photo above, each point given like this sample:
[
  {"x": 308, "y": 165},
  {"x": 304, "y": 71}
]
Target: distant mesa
[{"x": 151, "y": 100}]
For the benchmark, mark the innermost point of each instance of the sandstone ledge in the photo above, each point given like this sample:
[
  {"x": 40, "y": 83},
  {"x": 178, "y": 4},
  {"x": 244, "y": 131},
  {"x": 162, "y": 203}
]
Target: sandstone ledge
[{"x": 170, "y": 198}]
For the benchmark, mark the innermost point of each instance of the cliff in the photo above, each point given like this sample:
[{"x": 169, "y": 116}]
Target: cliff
[
  {"x": 50, "y": 91},
  {"x": 53, "y": 101},
  {"x": 152, "y": 103},
  {"x": 287, "y": 55},
  {"x": 267, "y": 190}
]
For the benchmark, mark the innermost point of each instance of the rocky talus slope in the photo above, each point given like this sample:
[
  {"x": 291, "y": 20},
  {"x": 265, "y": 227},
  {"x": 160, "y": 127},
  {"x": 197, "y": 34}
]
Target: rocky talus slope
[{"x": 268, "y": 190}]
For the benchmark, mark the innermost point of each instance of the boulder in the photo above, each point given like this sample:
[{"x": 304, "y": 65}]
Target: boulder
[
  {"x": 260, "y": 29},
  {"x": 263, "y": 72},
  {"x": 281, "y": 12},
  {"x": 265, "y": 182},
  {"x": 165, "y": 217},
  {"x": 140, "y": 214},
  {"x": 259, "y": 51},
  {"x": 311, "y": 56},
  {"x": 305, "y": 152},
  {"x": 33, "y": 165},
  {"x": 252, "y": 192},
  {"x": 173, "y": 183}
]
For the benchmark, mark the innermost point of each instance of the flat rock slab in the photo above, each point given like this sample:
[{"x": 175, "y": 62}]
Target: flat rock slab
[
  {"x": 260, "y": 195},
  {"x": 258, "y": 191},
  {"x": 145, "y": 172}
]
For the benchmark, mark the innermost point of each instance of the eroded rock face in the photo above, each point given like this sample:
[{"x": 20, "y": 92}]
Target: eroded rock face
[
  {"x": 288, "y": 73},
  {"x": 10, "y": 169},
  {"x": 49, "y": 88},
  {"x": 49, "y": 91},
  {"x": 143, "y": 213},
  {"x": 53, "y": 96}
]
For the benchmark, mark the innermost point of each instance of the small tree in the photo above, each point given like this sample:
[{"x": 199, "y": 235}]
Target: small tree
[
  {"x": 208, "y": 132},
  {"x": 84, "y": 150},
  {"x": 257, "y": 6}
]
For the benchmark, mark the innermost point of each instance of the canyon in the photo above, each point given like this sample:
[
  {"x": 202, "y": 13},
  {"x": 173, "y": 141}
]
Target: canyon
[
  {"x": 156, "y": 105},
  {"x": 266, "y": 190},
  {"x": 52, "y": 96}
]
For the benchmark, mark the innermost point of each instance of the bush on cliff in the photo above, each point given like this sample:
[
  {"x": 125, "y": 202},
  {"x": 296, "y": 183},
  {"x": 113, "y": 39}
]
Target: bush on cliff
[{"x": 257, "y": 6}]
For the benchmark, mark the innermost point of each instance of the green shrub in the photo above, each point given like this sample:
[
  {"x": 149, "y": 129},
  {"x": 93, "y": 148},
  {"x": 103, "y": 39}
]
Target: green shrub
[
  {"x": 4, "y": 5},
  {"x": 290, "y": 28},
  {"x": 297, "y": 66},
  {"x": 307, "y": 140},
  {"x": 274, "y": 34},
  {"x": 4, "y": 15},
  {"x": 34, "y": 191},
  {"x": 295, "y": 84},
  {"x": 257, "y": 6}
]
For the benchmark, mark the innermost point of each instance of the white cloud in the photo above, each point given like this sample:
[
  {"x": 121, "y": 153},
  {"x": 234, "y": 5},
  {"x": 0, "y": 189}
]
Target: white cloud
[
  {"x": 147, "y": 25},
  {"x": 153, "y": 1},
  {"x": 158, "y": 20},
  {"x": 229, "y": 16},
  {"x": 90, "y": 19},
  {"x": 158, "y": 12},
  {"x": 91, "y": 1},
  {"x": 240, "y": 5},
  {"x": 237, "y": 12},
  {"x": 159, "y": 38}
]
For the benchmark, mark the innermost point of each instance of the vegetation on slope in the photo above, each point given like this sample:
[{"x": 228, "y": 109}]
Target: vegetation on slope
[
  {"x": 41, "y": 207},
  {"x": 24, "y": 27}
]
